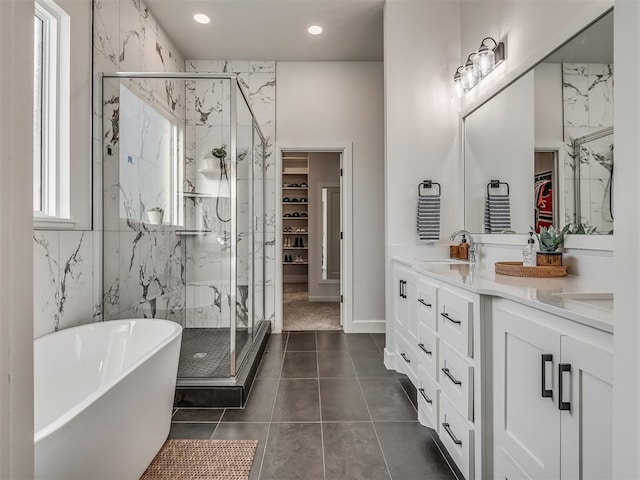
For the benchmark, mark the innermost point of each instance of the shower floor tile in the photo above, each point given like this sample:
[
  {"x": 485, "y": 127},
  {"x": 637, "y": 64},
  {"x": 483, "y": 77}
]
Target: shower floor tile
[{"x": 205, "y": 352}]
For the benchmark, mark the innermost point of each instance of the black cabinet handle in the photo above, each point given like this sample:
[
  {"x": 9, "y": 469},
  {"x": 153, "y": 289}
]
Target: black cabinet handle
[
  {"x": 424, "y": 303},
  {"x": 453, "y": 437},
  {"x": 562, "y": 368},
  {"x": 451, "y": 377},
  {"x": 404, "y": 357},
  {"x": 422, "y": 347},
  {"x": 546, "y": 392},
  {"x": 401, "y": 288},
  {"x": 447, "y": 317},
  {"x": 424, "y": 395}
]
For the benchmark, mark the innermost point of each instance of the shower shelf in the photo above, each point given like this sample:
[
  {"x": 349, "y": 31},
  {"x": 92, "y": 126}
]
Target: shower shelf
[
  {"x": 198, "y": 195},
  {"x": 185, "y": 233}
]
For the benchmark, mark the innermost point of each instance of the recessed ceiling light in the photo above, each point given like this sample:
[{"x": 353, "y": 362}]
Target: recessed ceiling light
[
  {"x": 201, "y": 18},
  {"x": 315, "y": 30}
]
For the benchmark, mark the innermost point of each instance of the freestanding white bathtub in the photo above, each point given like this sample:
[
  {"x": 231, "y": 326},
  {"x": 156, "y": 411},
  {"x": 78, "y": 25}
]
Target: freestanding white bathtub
[{"x": 103, "y": 398}]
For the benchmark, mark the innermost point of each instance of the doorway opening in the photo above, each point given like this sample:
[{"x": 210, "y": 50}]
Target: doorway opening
[{"x": 311, "y": 245}]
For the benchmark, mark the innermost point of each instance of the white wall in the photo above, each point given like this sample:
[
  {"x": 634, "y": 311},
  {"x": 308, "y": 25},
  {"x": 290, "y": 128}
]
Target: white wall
[
  {"x": 499, "y": 144},
  {"x": 548, "y": 105},
  {"x": 16, "y": 213},
  {"x": 421, "y": 53},
  {"x": 343, "y": 102},
  {"x": 626, "y": 392}
]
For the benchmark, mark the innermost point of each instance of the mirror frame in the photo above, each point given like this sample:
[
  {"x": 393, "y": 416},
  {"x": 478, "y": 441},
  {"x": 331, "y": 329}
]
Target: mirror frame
[{"x": 479, "y": 98}]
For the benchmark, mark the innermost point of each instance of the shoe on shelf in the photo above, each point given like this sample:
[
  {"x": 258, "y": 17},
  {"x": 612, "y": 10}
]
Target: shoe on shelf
[
  {"x": 286, "y": 199},
  {"x": 303, "y": 185},
  {"x": 287, "y": 215},
  {"x": 304, "y": 200},
  {"x": 296, "y": 214},
  {"x": 300, "y": 242},
  {"x": 303, "y": 214},
  {"x": 295, "y": 243}
]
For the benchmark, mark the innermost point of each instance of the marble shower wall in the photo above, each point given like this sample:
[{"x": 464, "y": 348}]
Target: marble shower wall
[
  {"x": 144, "y": 264},
  {"x": 208, "y": 275},
  {"x": 588, "y": 108}
]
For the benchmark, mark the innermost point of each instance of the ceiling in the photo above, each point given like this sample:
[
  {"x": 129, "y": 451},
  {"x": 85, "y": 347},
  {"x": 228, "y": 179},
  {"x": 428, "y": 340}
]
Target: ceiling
[
  {"x": 592, "y": 45},
  {"x": 274, "y": 29}
]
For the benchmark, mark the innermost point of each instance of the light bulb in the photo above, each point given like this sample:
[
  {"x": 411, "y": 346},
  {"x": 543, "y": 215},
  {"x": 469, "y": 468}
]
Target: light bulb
[
  {"x": 484, "y": 61},
  {"x": 315, "y": 30},
  {"x": 458, "y": 89},
  {"x": 469, "y": 78}
]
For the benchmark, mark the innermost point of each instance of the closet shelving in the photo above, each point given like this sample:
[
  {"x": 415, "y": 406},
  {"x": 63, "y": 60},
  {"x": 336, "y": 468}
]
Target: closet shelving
[{"x": 295, "y": 188}]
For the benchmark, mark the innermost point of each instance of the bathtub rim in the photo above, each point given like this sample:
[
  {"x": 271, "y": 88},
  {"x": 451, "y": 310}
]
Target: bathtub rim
[{"x": 59, "y": 422}]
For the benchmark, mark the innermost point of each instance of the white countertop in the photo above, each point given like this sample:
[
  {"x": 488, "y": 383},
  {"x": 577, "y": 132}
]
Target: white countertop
[{"x": 547, "y": 294}]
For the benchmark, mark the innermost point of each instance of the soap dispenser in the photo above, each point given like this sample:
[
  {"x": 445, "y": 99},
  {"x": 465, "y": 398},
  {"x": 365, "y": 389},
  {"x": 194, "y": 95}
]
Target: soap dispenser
[
  {"x": 528, "y": 252},
  {"x": 463, "y": 249}
]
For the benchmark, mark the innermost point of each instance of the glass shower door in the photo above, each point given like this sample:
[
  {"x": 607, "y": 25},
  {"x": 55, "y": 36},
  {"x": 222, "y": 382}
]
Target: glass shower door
[{"x": 244, "y": 227}]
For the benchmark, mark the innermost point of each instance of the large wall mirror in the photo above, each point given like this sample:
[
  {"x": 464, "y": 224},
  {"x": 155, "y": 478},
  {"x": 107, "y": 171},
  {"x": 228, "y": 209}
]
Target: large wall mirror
[{"x": 541, "y": 151}]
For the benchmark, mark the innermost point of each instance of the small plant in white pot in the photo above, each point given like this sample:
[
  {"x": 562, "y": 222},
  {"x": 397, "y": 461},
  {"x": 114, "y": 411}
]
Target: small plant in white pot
[
  {"x": 155, "y": 215},
  {"x": 550, "y": 240}
]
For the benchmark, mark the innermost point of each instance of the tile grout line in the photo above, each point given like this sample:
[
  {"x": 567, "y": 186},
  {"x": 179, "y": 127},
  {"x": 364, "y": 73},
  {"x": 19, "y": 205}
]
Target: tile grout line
[
  {"x": 217, "y": 424},
  {"x": 366, "y": 404},
  {"x": 324, "y": 469},
  {"x": 273, "y": 408}
]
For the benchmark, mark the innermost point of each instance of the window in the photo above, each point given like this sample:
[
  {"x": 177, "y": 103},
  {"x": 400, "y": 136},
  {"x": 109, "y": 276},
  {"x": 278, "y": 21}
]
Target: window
[{"x": 50, "y": 112}]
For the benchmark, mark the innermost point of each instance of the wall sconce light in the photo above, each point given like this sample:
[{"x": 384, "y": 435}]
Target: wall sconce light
[{"x": 479, "y": 64}]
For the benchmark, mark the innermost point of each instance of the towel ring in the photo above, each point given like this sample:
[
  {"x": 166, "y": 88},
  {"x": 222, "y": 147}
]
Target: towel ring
[
  {"x": 428, "y": 184},
  {"x": 496, "y": 184}
]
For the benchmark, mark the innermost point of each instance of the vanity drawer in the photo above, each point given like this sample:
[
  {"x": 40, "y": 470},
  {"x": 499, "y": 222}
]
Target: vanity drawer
[
  {"x": 457, "y": 436},
  {"x": 428, "y": 345},
  {"x": 455, "y": 321},
  {"x": 427, "y": 306},
  {"x": 456, "y": 380},
  {"x": 428, "y": 398},
  {"x": 407, "y": 361}
]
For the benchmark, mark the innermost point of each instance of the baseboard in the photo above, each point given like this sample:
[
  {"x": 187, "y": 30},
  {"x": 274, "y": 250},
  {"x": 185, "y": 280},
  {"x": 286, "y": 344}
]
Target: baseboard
[
  {"x": 389, "y": 359},
  {"x": 331, "y": 298},
  {"x": 368, "y": 326}
]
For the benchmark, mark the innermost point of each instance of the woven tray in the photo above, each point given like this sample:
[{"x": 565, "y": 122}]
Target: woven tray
[{"x": 516, "y": 269}]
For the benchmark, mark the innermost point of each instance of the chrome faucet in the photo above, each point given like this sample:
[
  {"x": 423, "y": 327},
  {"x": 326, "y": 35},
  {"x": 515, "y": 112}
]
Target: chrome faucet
[{"x": 472, "y": 245}]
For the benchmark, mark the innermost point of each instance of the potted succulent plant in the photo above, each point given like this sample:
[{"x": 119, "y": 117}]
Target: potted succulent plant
[{"x": 550, "y": 240}]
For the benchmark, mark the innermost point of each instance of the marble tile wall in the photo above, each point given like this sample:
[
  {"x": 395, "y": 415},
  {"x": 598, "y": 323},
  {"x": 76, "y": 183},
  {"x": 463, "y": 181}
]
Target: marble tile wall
[
  {"x": 68, "y": 264},
  {"x": 65, "y": 289},
  {"x": 208, "y": 124},
  {"x": 588, "y": 108},
  {"x": 144, "y": 263}
]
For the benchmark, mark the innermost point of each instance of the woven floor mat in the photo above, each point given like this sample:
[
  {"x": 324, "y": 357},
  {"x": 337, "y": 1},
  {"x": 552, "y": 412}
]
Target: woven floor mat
[{"x": 202, "y": 460}]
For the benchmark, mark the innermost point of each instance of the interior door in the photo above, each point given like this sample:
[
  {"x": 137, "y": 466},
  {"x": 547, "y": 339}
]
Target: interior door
[{"x": 526, "y": 415}]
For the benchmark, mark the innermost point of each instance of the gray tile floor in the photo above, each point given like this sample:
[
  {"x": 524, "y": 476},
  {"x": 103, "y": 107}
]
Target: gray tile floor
[{"x": 324, "y": 407}]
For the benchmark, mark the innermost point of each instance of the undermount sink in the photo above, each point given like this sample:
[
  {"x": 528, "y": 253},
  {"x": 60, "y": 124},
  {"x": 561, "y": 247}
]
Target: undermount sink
[{"x": 600, "y": 299}]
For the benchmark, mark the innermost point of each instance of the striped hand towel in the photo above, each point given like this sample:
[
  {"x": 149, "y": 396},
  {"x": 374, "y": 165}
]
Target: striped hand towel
[
  {"x": 497, "y": 214},
  {"x": 428, "y": 218}
]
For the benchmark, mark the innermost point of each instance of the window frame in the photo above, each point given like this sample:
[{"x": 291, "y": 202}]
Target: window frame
[{"x": 54, "y": 211}]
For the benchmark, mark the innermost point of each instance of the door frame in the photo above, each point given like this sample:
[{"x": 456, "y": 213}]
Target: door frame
[{"x": 344, "y": 148}]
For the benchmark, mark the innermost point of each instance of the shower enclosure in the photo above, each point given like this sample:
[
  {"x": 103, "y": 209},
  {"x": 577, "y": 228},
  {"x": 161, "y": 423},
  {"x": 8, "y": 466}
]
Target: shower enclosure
[{"x": 183, "y": 213}]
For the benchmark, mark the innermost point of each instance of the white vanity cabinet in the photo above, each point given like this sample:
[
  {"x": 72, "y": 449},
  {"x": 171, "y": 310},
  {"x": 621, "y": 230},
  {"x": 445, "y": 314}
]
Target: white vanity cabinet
[
  {"x": 402, "y": 334},
  {"x": 435, "y": 346},
  {"x": 552, "y": 396}
]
